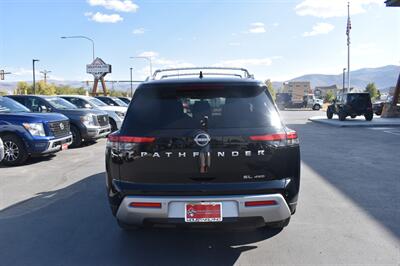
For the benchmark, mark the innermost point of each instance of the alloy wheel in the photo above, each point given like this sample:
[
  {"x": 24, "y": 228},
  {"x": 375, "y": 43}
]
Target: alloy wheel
[{"x": 11, "y": 151}]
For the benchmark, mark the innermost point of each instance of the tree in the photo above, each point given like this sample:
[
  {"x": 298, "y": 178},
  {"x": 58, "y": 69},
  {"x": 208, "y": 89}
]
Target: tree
[
  {"x": 372, "y": 90},
  {"x": 23, "y": 88},
  {"x": 330, "y": 96},
  {"x": 43, "y": 88},
  {"x": 271, "y": 89}
]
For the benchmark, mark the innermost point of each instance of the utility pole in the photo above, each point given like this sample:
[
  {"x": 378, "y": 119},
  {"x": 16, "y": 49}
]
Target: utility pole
[
  {"x": 131, "y": 82},
  {"x": 33, "y": 73},
  {"x": 348, "y": 45},
  {"x": 45, "y": 72},
  {"x": 344, "y": 75}
]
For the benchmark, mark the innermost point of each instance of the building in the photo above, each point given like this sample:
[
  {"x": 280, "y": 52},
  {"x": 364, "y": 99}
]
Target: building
[
  {"x": 320, "y": 92},
  {"x": 294, "y": 86}
]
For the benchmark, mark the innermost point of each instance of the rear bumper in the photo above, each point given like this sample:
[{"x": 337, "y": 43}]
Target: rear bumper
[{"x": 173, "y": 208}]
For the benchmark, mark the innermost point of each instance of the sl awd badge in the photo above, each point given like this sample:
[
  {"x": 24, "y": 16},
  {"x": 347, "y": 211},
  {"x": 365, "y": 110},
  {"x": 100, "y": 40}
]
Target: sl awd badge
[{"x": 202, "y": 139}]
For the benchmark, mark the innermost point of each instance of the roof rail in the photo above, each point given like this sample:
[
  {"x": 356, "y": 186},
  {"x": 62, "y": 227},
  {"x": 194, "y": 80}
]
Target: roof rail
[{"x": 201, "y": 72}]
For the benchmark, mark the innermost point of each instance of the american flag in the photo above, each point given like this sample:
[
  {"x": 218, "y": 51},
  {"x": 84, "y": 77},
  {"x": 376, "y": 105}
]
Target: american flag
[{"x": 348, "y": 26}]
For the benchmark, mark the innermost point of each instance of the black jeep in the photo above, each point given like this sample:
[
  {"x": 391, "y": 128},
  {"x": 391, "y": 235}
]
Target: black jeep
[
  {"x": 351, "y": 104},
  {"x": 203, "y": 150}
]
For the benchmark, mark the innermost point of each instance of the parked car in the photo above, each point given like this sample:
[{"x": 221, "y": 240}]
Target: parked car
[
  {"x": 225, "y": 159},
  {"x": 284, "y": 100},
  {"x": 115, "y": 113},
  {"x": 1, "y": 150},
  {"x": 86, "y": 125},
  {"x": 351, "y": 104},
  {"x": 26, "y": 134},
  {"x": 377, "y": 107},
  {"x": 126, "y": 100},
  {"x": 113, "y": 101}
]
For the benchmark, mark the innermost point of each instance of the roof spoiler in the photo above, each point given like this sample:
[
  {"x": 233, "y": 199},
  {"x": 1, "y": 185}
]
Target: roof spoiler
[{"x": 202, "y": 71}]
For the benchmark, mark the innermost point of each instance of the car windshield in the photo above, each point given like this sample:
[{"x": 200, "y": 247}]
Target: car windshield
[
  {"x": 96, "y": 102},
  {"x": 119, "y": 102},
  {"x": 60, "y": 103},
  {"x": 231, "y": 106},
  {"x": 8, "y": 105}
]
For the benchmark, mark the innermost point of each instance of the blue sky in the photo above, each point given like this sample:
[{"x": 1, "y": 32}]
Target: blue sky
[{"x": 273, "y": 39}]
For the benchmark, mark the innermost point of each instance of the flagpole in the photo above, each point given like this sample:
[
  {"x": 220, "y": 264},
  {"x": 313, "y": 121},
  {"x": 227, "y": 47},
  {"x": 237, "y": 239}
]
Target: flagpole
[{"x": 348, "y": 46}]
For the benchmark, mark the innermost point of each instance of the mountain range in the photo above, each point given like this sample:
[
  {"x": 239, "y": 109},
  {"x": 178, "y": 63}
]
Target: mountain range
[{"x": 384, "y": 78}]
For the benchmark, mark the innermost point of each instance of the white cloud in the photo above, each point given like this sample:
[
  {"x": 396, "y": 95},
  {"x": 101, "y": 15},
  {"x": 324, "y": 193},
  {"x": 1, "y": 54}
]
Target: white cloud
[
  {"x": 276, "y": 24},
  {"x": 149, "y": 54},
  {"x": 257, "y": 27},
  {"x": 104, "y": 18},
  {"x": 116, "y": 5},
  {"x": 319, "y": 28},
  {"x": 245, "y": 62},
  {"x": 138, "y": 31},
  {"x": 333, "y": 8}
]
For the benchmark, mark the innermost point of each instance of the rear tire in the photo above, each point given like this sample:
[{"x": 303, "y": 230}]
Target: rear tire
[
  {"x": 342, "y": 115},
  {"x": 353, "y": 116},
  {"x": 369, "y": 116},
  {"x": 76, "y": 137},
  {"x": 15, "y": 152},
  {"x": 329, "y": 113}
]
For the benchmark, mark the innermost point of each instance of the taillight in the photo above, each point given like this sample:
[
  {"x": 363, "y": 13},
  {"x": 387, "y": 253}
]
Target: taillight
[
  {"x": 125, "y": 142},
  {"x": 278, "y": 139}
]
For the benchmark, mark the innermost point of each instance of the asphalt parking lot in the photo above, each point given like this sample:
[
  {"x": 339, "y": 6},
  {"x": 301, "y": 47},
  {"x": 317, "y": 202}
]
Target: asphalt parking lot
[{"x": 54, "y": 210}]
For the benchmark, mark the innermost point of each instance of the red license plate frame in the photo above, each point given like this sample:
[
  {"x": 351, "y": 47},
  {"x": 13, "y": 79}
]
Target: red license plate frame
[{"x": 203, "y": 212}]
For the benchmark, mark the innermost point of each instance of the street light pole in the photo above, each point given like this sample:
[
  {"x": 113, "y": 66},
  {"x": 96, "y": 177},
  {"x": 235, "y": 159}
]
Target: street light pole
[
  {"x": 148, "y": 58},
  {"x": 131, "y": 82},
  {"x": 344, "y": 75},
  {"x": 81, "y": 37},
  {"x": 33, "y": 73}
]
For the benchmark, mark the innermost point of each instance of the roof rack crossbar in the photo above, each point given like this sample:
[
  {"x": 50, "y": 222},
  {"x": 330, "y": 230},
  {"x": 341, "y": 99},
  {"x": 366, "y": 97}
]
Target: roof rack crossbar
[
  {"x": 245, "y": 71},
  {"x": 204, "y": 74}
]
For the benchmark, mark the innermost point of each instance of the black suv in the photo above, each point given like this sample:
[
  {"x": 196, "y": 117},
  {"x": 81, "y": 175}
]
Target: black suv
[
  {"x": 211, "y": 151},
  {"x": 351, "y": 104}
]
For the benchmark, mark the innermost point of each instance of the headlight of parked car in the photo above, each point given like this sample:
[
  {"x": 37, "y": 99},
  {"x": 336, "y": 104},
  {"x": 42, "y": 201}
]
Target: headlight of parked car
[
  {"x": 120, "y": 114},
  {"x": 88, "y": 120},
  {"x": 36, "y": 129}
]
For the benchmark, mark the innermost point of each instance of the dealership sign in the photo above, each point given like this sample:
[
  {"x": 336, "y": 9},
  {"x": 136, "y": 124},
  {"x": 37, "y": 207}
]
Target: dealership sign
[{"x": 98, "y": 68}]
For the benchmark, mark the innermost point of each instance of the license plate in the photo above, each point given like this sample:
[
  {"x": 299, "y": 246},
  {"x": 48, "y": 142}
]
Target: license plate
[
  {"x": 64, "y": 146},
  {"x": 203, "y": 212}
]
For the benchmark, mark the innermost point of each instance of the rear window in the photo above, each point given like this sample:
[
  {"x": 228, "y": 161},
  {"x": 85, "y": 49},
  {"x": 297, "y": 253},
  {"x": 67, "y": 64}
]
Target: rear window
[
  {"x": 185, "y": 106},
  {"x": 358, "y": 98}
]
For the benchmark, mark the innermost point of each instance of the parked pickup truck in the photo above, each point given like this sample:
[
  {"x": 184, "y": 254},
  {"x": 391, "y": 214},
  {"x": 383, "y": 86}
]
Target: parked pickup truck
[
  {"x": 286, "y": 100},
  {"x": 86, "y": 124},
  {"x": 26, "y": 134},
  {"x": 115, "y": 113}
]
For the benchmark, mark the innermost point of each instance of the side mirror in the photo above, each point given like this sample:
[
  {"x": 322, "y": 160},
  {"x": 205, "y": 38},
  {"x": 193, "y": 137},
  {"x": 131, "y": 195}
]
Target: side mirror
[{"x": 87, "y": 106}]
